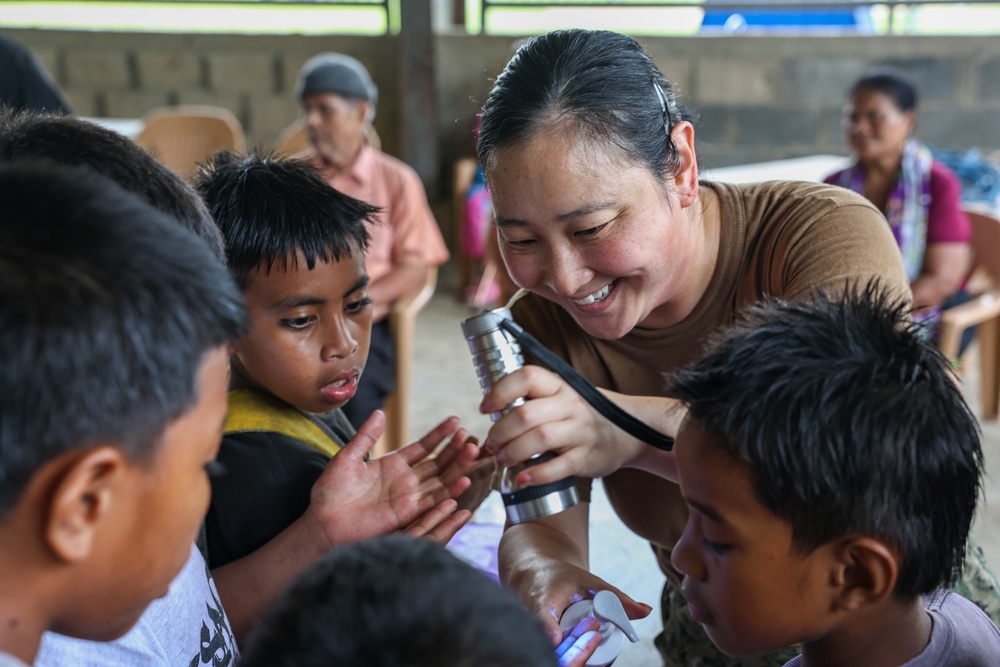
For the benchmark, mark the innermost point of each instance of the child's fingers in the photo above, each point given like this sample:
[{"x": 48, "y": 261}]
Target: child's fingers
[
  {"x": 461, "y": 465},
  {"x": 365, "y": 438},
  {"x": 430, "y": 519},
  {"x": 459, "y": 439},
  {"x": 446, "y": 529},
  {"x": 416, "y": 451},
  {"x": 436, "y": 489},
  {"x": 585, "y": 625},
  {"x": 481, "y": 475},
  {"x": 579, "y": 649},
  {"x": 579, "y": 643},
  {"x": 452, "y": 464},
  {"x": 432, "y": 465},
  {"x": 458, "y": 487},
  {"x": 462, "y": 451}
]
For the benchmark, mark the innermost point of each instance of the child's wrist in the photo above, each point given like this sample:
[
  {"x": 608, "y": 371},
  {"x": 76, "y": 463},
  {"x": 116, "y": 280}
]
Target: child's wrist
[{"x": 317, "y": 536}]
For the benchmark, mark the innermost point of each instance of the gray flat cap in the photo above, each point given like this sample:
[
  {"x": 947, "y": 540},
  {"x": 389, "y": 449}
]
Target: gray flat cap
[{"x": 336, "y": 73}]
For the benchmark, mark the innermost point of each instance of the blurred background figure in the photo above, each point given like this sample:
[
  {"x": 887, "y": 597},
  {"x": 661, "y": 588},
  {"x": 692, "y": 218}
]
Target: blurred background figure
[
  {"x": 919, "y": 196},
  {"x": 338, "y": 100},
  {"x": 491, "y": 285},
  {"x": 25, "y": 83}
]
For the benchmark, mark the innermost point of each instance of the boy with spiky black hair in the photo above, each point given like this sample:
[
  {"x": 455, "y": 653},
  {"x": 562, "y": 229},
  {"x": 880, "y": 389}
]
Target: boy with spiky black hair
[
  {"x": 295, "y": 246},
  {"x": 115, "y": 324},
  {"x": 831, "y": 468}
]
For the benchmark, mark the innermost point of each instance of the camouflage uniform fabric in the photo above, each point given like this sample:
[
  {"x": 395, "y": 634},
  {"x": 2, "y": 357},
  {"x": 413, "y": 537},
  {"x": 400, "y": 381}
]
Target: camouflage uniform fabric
[{"x": 978, "y": 582}]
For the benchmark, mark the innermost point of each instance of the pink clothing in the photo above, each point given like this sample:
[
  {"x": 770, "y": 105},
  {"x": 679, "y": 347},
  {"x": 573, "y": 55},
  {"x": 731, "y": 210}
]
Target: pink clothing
[
  {"x": 946, "y": 221},
  {"x": 408, "y": 229}
]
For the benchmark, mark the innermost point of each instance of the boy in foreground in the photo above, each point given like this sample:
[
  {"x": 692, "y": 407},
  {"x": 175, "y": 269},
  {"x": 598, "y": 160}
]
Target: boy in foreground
[
  {"x": 831, "y": 469},
  {"x": 111, "y": 415},
  {"x": 295, "y": 247}
]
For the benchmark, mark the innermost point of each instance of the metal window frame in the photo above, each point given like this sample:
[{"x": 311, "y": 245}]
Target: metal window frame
[{"x": 484, "y": 5}]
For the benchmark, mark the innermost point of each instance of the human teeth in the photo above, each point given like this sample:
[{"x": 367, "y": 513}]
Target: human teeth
[
  {"x": 338, "y": 383},
  {"x": 596, "y": 296}
]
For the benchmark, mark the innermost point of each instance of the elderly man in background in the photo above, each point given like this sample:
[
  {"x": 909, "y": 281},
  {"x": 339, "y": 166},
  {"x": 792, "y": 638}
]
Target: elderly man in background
[{"x": 338, "y": 100}]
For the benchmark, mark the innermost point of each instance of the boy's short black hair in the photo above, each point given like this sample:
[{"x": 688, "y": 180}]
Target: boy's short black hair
[
  {"x": 397, "y": 601},
  {"x": 107, "y": 309},
  {"x": 269, "y": 209},
  {"x": 851, "y": 423},
  {"x": 71, "y": 141}
]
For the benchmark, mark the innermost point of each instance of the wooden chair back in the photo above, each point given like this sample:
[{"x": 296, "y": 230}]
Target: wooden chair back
[
  {"x": 185, "y": 136},
  {"x": 403, "y": 326},
  {"x": 983, "y": 311},
  {"x": 293, "y": 140}
]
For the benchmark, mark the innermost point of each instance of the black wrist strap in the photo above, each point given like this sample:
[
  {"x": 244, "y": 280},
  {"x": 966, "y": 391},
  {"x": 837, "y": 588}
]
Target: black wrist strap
[{"x": 610, "y": 410}]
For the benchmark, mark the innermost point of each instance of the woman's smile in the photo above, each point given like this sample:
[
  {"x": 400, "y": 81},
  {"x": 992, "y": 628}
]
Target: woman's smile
[{"x": 599, "y": 295}]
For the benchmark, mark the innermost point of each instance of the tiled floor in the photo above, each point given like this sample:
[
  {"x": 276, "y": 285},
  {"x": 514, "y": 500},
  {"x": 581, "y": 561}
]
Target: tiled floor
[{"x": 445, "y": 383}]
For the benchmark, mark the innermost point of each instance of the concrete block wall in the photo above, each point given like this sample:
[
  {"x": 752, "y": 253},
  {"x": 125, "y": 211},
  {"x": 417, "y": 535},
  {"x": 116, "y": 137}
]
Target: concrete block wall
[
  {"x": 755, "y": 98},
  {"x": 764, "y": 98},
  {"x": 125, "y": 75}
]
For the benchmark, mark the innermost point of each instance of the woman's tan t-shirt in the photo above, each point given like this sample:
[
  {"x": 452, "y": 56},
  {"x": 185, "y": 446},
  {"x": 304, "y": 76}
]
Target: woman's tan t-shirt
[{"x": 781, "y": 239}]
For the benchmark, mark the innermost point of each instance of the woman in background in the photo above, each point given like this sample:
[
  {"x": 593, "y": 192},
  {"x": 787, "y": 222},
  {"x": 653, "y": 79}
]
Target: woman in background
[{"x": 918, "y": 195}]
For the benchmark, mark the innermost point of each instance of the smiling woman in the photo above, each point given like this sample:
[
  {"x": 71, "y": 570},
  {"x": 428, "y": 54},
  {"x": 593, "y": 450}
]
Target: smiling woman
[{"x": 629, "y": 262}]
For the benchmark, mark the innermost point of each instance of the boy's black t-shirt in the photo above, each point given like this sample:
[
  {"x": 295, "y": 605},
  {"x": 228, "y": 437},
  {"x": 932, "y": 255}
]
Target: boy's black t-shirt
[{"x": 266, "y": 486}]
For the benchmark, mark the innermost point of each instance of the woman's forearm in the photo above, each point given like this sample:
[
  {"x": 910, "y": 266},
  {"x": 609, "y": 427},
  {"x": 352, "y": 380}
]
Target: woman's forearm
[
  {"x": 562, "y": 537},
  {"x": 545, "y": 563}
]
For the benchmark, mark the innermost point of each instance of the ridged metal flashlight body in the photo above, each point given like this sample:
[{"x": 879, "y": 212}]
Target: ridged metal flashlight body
[{"x": 495, "y": 353}]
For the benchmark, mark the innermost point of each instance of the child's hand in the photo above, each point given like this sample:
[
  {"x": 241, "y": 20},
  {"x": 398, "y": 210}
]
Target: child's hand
[
  {"x": 440, "y": 524},
  {"x": 579, "y": 643},
  {"x": 481, "y": 474},
  {"x": 356, "y": 499},
  {"x": 449, "y": 467}
]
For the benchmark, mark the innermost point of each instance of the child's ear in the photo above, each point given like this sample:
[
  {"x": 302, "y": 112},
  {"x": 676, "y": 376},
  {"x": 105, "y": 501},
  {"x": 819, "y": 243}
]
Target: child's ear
[
  {"x": 866, "y": 573},
  {"x": 81, "y": 500},
  {"x": 686, "y": 178}
]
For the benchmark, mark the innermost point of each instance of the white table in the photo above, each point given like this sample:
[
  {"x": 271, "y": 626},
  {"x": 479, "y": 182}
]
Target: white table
[
  {"x": 809, "y": 168},
  {"x": 130, "y": 127}
]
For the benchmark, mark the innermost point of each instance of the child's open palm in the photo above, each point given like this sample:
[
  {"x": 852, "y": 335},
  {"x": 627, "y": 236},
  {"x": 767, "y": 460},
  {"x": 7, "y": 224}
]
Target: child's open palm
[{"x": 407, "y": 490}]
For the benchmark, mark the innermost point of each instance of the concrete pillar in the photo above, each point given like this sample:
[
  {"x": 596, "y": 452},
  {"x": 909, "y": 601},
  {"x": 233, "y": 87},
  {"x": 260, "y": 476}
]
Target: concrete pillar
[{"x": 418, "y": 131}]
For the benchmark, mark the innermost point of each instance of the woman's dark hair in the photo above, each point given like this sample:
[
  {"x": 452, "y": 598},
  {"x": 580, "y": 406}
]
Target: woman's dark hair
[
  {"x": 602, "y": 82},
  {"x": 891, "y": 82}
]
